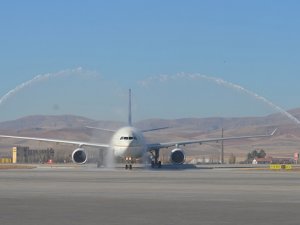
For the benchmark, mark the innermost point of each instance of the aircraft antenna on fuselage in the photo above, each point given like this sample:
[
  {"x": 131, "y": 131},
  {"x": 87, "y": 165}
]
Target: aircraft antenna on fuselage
[{"x": 129, "y": 109}]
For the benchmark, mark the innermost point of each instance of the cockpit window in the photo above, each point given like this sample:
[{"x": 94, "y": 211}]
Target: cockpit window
[{"x": 128, "y": 138}]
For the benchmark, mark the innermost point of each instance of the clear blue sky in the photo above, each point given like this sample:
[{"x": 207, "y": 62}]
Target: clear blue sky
[{"x": 251, "y": 43}]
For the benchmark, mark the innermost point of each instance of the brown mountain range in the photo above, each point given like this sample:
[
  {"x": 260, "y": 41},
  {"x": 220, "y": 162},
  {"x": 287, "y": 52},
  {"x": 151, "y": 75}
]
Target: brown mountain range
[{"x": 283, "y": 144}]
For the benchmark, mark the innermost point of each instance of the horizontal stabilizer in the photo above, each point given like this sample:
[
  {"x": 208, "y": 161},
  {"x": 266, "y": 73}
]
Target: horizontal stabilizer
[
  {"x": 98, "y": 128},
  {"x": 154, "y": 129}
]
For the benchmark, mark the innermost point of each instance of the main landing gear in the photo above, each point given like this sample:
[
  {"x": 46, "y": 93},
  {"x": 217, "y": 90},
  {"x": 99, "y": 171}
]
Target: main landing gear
[{"x": 155, "y": 163}]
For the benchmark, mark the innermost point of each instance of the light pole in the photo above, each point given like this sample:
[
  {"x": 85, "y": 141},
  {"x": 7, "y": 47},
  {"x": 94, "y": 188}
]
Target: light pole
[{"x": 222, "y": 148}]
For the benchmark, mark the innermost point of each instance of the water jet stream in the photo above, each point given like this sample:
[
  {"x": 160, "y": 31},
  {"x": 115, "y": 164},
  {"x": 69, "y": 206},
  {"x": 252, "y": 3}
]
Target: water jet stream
[
  {"x": 39, "y": 78},
  {"x": 219, "y": 81}
]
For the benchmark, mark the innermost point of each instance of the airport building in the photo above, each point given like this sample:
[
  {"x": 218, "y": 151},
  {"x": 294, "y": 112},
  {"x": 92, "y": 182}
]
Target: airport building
[{"x": 27, "y": 155}]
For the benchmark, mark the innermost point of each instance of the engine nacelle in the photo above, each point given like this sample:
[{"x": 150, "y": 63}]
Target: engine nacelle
[
  {"x": 177, "y": 156},
  {"x": 79, "y": 156}
]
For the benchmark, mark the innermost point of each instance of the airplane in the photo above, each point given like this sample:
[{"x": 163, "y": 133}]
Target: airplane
[{"x": 129, "y": 143}]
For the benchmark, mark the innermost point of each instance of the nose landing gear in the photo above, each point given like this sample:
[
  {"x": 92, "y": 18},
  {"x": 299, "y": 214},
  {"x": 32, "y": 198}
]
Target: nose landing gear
[{"x": 128, "y": 165}]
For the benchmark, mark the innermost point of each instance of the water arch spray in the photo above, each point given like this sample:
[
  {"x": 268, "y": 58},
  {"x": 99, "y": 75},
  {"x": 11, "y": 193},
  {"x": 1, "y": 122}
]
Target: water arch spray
[{"x": 219, "y": 81}]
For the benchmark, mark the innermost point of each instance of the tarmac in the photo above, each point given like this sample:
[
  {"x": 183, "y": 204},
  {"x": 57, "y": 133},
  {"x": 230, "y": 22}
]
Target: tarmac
[{"x": 89, "y": 195}]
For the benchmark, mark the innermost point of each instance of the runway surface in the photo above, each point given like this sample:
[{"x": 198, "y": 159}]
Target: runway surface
[{"x": 95, "y": 196}]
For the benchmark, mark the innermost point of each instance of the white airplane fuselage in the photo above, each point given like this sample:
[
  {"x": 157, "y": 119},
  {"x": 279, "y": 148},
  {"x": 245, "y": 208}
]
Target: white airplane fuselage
[{"x": 128, "y": 142}]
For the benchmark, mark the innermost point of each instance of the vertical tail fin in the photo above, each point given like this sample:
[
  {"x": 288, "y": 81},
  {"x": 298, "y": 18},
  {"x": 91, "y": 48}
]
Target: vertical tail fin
[{"x": 129, "y": 109}]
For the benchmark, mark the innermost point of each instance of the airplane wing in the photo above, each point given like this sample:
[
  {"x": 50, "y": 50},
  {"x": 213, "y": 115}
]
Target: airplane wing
[
  {"x": 81, "y": 144},
  {"x": 178, "y": 143}
]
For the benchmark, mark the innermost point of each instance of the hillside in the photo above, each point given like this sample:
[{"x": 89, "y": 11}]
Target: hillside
[{"x": 70, "y": 127}]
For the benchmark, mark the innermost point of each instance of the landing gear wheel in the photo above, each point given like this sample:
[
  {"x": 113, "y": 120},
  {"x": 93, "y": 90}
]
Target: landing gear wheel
[
  {"x": 155, "y": 156},
  {"x": 159, "y": 164},
  {"x": 152, "y": 164},
  {"x": 130, "y": 167},
  {"x": 155, "y": 165},
  {"x": 126, "y": 167}
]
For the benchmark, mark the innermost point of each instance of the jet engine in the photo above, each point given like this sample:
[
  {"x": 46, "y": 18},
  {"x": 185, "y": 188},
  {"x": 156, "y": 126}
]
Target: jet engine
[
  {"x": 79, "y": 156},
  {"x": 177, "y": 156}
]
